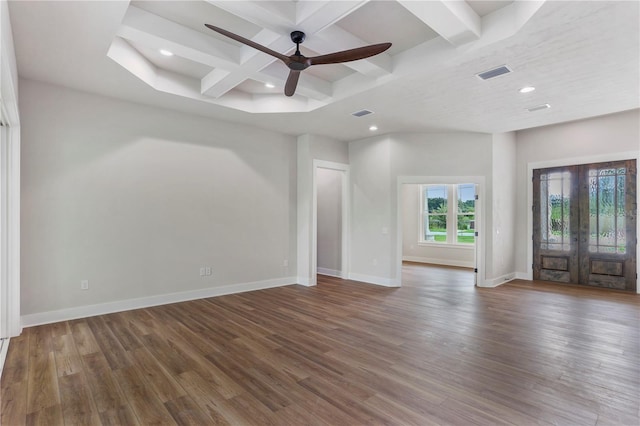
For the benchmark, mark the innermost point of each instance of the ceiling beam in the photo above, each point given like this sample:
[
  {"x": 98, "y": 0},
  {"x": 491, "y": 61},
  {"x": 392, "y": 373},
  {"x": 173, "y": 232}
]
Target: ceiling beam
[
  {"x": 159, "y": 33},
  {"x": 455, "y": 21},
  {"x": 314, "y": 20},
  {"x": 334, "y": 39}
]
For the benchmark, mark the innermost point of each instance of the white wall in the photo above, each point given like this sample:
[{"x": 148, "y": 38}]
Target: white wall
[
  {"x": 415, "y": 251},
  {"x": 502, "y": 222},
  {"x": 371, "y": 205},
  {"x": 377, "y": 164},
  {"x": 136, "y": 199},
  {"x": 597, "y": 139},
  {"x": 329, "y": 252}
]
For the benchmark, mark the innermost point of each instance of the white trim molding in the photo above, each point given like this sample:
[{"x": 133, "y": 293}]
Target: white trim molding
[
  {"x": 9, "y": 183},
  {"x": 434, "y": 261},
  {"x": 146, "y": 302},
  {"x": 4, "y": 349},
  {"x": 370, "y": 279},
  {"x": 495, "y": 282},
  {"x": 329, "y": 272}
]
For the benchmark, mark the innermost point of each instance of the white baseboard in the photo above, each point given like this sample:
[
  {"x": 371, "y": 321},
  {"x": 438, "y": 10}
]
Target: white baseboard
[
  {"x": 524, "y": 276},
  {"x": 495, "y": 282},
  {"x": 369, "y": 279},
  {"x": 146, "y": 302},
  {"x": 305, "y": 281},
  {"x": 445, "y": 262},
  {"x": 4, "y": 348},
  {"x": 330, "y": 272}
]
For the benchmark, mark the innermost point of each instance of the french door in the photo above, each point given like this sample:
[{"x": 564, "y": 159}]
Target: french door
[{"x": 584, "y": 224}]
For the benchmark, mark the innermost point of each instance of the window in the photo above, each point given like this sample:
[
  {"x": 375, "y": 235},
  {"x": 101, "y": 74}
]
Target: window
[{"x": 448, "y": 214}]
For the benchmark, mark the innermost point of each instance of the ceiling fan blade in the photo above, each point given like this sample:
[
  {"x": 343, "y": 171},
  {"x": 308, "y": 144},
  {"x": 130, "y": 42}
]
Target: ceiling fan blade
[
  {"x": 292, "y": 83},
  {"x": 350, "y": 55},
  {"x": 248, "y": 42}
]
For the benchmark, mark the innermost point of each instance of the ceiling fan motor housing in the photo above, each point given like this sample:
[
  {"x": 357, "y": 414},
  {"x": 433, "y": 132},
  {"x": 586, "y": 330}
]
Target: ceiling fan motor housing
[{"x": 297, "y": 36}]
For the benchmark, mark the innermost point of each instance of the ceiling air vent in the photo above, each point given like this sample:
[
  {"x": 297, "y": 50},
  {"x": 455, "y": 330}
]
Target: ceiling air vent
[
  {"x": 495, "y": 72},
  {"x": 361, "y": 113},
  {"x": 538, "y": 107}
]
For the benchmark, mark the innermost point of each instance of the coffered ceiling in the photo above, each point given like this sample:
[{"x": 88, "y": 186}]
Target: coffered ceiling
[{"x": 582, "y": 57}]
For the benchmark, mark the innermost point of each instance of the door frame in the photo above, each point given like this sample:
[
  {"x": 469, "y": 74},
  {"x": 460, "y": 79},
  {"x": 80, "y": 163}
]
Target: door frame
[
  {"x": 479, "y": 181},
  {"x": 345, "y": 181},
  {"x": 574, "y": 161}
]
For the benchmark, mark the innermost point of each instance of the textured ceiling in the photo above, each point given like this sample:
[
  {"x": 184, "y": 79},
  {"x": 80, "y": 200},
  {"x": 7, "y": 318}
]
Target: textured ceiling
[{"x": 426, "y": 82}]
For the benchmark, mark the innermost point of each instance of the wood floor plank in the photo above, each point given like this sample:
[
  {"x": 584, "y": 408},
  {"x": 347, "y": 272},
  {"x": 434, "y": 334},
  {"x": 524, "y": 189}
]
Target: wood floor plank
[
  {"x": 45, "y": 416},
  {"x": 109, "y": 345},
  {"x": 146, "y": 405},
  {"x": 102, "y": 385},
  {"x": 186, "y": 412},
  {"x": 164, "y": 385},
  {"x": 16, "y": 363},
  {"x": 118, "y": 416},
  {"x": 77, "y": 405},
  {"x": 43, "y": 391},
  {"x": 13, "y": 403},
  {"x": 435, "y": 351},
  {"x": 83, "y": 337},
  {"x": 67, "y": 357}
]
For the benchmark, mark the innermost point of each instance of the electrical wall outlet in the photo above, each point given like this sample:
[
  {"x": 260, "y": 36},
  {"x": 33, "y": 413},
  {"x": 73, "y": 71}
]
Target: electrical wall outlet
[
  {"x": 207, "y": 270},
  {"x": 202, "y": 272},
  {"x": 84, "y": 285}
]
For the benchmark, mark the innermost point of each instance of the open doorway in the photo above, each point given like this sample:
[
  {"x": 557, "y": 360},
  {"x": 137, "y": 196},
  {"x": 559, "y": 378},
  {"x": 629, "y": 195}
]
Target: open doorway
[
  {"x": 329, "y": 211},
  {"x": 440, "y": 223},
  {"x": 330, "y": 220}
]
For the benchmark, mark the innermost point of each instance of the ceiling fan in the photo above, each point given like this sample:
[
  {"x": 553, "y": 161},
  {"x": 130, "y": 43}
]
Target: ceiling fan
[{"x": 298, "y": 62}]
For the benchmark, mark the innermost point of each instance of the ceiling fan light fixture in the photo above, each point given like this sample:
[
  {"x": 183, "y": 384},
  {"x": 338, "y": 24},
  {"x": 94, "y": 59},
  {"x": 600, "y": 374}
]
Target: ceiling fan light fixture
[
  {"x": 166, "y": 52},
  {"x": 269, "y": 85},
  {"x": 298, "y": 62},
  {"x": 373, "y": 127},
  {"x": 527, "y": 89}
]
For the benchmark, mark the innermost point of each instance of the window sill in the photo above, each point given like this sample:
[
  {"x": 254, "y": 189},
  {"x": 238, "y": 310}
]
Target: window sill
[{"x": 447, "y": 245}]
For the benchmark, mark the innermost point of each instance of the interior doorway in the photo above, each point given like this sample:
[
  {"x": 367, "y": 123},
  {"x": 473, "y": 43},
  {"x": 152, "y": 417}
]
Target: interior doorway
[
  {"x": 329, "y": 228},
  {"x": 440, "y": 222},
  {"x": 584, "y": 224},
  {"x": 330, "y": 220}
]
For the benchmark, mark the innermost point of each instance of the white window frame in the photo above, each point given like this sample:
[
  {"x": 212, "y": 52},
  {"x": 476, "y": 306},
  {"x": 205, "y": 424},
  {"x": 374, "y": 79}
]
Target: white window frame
[{"x": 452, "y": 218}]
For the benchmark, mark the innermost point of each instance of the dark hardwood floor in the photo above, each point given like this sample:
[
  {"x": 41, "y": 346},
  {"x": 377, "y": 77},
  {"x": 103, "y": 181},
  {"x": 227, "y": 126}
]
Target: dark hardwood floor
[{"x": 436, "y": 351}]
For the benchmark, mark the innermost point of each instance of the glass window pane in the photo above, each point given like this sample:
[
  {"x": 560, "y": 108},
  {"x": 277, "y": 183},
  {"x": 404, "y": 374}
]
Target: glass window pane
[
  {"x": 466, "y": 198},
  {"x": 466, "y": 229},
  {"x": 607, "y": 227},
  {"x": 435, "y": 228},
  {"x": 555, "y": 210},
  {"x": 436, "y": 199}
]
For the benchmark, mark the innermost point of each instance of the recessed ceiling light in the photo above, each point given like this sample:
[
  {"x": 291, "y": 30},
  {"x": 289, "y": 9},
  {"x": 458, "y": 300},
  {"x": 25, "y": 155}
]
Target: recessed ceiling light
[
  {"x": 527, "y": 89},
  {"x": 373, "y": 128},
  {"x": 166, "y": 52},
  {"x": 269, "y": 85}
]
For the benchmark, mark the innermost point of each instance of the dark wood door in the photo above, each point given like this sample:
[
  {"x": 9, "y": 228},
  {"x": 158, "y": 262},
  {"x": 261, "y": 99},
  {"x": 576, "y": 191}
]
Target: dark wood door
[{"x": 585, "y": 224}]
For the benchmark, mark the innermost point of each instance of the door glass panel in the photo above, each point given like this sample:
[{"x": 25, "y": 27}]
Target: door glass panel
[
  {"x": 607, "y": 229},
  {"x": 555, "y": 203}
]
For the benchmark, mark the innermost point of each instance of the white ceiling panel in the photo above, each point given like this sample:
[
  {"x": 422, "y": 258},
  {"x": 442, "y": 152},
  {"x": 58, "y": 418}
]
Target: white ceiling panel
[{"x": 583, "y": 57}]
